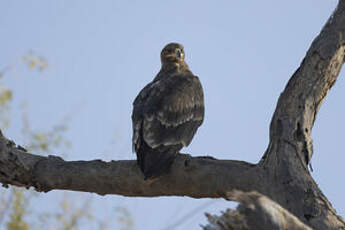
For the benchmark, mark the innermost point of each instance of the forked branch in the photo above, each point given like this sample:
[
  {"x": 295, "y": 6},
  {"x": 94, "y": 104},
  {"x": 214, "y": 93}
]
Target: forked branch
[{"x": 282, "y": 174}]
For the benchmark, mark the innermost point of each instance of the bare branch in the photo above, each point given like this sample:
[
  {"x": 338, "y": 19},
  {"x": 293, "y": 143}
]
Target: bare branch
[
  {"x": 290, "y": 148},
  {"x": 255, "y": 212},
  {"x": 299, "y": 103},
  {"x": 190, "y": 176},
  {"x": 281, "y": 175}
]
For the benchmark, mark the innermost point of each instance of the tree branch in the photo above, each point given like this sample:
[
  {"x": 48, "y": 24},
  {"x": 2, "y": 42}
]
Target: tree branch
[
  {"x": 281, "y": 175},
  {"x": 254, "y": 212},
  {"x": 290, "y": 148},
  {"x": 190, "y": 176},
  {"x": 298, "y": 105}
]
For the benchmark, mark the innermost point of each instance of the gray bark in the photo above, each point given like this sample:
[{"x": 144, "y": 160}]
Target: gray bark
[
  {"x": 196, "y": 177},
  {"x": 282, "y": 174},
  {"x": 254, "y": 212}
]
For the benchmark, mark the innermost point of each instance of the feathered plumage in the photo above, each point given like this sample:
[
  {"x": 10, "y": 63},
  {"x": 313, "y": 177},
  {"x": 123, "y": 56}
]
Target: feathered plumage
[{"x": 166, "y": 113}]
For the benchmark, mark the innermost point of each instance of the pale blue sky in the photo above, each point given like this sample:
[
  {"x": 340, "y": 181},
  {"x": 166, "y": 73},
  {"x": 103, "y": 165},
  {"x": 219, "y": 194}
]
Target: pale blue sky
[{"x": 102, "y": 53}]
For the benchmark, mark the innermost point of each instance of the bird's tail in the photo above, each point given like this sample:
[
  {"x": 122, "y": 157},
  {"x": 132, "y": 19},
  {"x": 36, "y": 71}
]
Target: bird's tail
[{"x": 155, "y": 162}]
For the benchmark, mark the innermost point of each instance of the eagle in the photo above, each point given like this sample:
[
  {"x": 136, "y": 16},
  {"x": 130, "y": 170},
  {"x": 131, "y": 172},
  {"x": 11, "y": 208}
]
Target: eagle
[{"x": 166, "y": 113}]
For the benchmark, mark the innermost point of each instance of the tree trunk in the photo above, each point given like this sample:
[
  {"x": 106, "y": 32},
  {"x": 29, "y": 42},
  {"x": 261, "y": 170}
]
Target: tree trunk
[{"x": 284, "y": 187}]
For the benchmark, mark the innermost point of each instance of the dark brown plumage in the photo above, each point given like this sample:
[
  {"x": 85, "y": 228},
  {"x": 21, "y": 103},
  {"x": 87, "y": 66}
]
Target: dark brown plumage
[{"x": 166, "y": 113}]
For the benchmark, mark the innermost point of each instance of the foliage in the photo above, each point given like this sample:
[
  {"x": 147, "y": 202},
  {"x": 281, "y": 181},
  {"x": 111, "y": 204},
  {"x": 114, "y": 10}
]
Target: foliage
[
  {"x": 69, "y": 216},
  {"x": 18, "y": 211},
  {"x": 5, "y": 99},
  {"x": 35, "y": 62},
  {"x": 125, "y": 218},
  {"x": 16, "y": 203}
]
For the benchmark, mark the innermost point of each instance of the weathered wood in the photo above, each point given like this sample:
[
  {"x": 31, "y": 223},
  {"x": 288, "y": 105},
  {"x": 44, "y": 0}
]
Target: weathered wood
[
  {"x": 290, "y": 147},
  {"x": 190, "y": 176},
  {"x": 282, "y": 174},
  {"x": 254, "y": 212}
]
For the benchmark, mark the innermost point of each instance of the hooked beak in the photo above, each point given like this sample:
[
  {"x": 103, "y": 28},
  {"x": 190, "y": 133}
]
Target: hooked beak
[{"x": 178, "y": 53}]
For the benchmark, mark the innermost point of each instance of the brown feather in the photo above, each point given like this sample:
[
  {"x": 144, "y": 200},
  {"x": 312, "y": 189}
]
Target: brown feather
[{"x": 166, "y": 115}]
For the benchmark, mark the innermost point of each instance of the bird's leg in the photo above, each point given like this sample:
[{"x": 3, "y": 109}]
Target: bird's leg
[{"x": 150, "y": 181}]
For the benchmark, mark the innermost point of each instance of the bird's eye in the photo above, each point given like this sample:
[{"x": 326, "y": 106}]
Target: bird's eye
[{"x": 179, "y": 53}]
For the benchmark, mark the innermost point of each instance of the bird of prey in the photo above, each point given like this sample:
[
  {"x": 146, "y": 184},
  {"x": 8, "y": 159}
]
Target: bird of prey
[{"x": 166, "y": 113}]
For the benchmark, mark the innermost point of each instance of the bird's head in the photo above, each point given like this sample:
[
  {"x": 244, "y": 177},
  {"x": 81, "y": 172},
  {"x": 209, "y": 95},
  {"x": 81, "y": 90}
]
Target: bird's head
[{"x": 172, "y": 53}]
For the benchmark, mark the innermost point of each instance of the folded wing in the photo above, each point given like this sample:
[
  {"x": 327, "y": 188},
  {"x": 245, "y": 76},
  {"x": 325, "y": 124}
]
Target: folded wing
[{"x": 168, "y": 112}]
